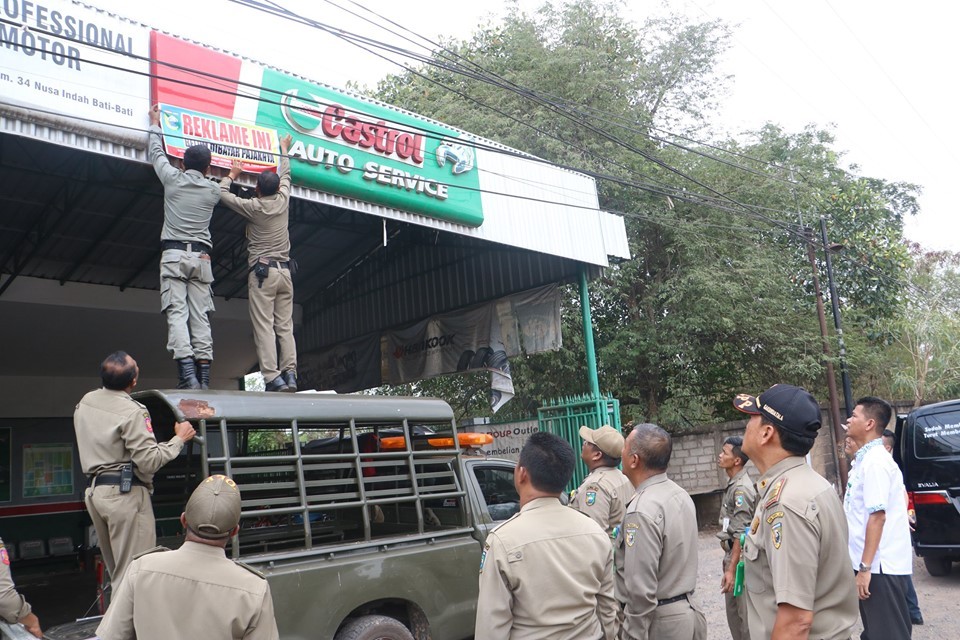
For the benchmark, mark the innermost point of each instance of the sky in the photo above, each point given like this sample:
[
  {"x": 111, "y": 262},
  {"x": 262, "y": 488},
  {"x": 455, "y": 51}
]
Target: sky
[{"x": 877, "y": 72}]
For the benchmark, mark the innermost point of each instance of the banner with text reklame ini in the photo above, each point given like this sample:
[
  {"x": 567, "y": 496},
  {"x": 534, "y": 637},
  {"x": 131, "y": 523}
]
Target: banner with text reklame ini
[{"x": 341, "y": 144}]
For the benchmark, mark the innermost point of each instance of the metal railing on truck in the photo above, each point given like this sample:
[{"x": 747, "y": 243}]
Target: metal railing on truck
[{"x": 336, "y": 472}]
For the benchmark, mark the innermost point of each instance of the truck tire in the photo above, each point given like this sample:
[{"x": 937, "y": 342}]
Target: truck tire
[
  {"x": 374, "y": 628},
  {"x": 937, "y": 566}
]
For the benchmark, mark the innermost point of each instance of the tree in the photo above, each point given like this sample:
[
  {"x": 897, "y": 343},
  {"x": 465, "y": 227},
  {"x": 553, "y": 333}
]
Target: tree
[
  {"x": 717, "y": 297},
  {"x": 926, "y": 337}
]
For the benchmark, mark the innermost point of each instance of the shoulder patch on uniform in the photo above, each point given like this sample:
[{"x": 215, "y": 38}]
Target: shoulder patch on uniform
[
  {"x": 773, "y": 516},
  {"x": 776, "y": 530},
  {"x": 149, "y": 551},
  {"x": 739, "y": 498},
  {"x": 250, "y": 569},
  {"x": 147, "y": 422},
  {"x": 775, "y": 491},
  {"x": 4, "y": 556},
  {"x": 630, "y": 533},
  {"x": 483, "y": 556},
  {"x": 591, "y": 498}
]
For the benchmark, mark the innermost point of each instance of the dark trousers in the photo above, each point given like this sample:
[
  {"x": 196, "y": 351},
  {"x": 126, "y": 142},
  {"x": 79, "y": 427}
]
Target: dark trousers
[
  {"x": 884, "y": 614},
  {"x": 913, "y": 604}
]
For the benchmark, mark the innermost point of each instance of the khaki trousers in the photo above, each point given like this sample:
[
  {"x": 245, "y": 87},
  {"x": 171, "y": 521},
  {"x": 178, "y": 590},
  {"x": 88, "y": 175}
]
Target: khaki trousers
[
  {"x": 736, "y": 610},
  {"x": 271, "y": 313},
  {"x": 186, "y": 297},
  {"x": 124, "y": 523},
  {"x": 680, "y": 620}
]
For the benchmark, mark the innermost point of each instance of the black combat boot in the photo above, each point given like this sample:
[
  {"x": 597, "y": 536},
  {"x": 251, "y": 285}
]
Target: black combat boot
[
  {"x": 188, "y": 374},
  {"x": 290, "y": 377},
  {"x": 277, "y": 384},
  {"x": 203, "y": 372}
]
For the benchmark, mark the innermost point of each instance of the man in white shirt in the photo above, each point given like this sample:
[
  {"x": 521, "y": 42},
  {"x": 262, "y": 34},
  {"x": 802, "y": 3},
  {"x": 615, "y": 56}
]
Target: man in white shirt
[{"x": 879, "y": 542}]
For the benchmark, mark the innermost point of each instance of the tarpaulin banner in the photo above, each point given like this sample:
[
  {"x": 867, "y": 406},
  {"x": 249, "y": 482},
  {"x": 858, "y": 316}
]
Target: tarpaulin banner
[{"x": 479, "y": 338}]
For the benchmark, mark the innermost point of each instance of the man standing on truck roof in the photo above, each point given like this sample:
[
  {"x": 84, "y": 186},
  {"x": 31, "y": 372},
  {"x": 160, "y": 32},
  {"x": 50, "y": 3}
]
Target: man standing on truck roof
[
  {"x": 186, "y": 274},
  {"x": 797, "y": 577},
  {"x": 270, "y": 280},
  {"x": 736, "y": 510},
  {"x": 119, "y": 454},
  {"x": 547, "y": 572},
  {"x": 195, "y": 591},
  {"x": 13, "y": 606},
  {"x": 876, "y": 510},
  {"x": 604, "y": 493},
  {"x": 657, "y": 553}
]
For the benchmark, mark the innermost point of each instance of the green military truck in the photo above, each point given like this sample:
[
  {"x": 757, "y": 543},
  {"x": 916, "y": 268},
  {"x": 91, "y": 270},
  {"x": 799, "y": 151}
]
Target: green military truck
[{"x": 367, "y": 514}]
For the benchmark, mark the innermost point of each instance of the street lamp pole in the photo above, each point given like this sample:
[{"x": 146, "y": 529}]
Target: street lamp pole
[{"x": 835, "y": 304}]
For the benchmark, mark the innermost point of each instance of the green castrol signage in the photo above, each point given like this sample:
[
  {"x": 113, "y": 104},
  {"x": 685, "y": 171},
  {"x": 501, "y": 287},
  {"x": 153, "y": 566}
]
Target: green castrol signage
[
  {"x": 341, "y": 144},
  {"x": 363, "y": 151}
]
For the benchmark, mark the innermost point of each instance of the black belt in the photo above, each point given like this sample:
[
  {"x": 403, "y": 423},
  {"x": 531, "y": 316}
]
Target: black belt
[
  {"x": 277, "y": 264},
  {"x": 197, "y": 247},
  {"x": 113, "y": 479},
  {"x": 660, "y": 603}
]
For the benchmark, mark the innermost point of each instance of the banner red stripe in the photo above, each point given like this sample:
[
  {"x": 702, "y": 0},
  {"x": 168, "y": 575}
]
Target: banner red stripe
[{"x": 168, "y": 88}]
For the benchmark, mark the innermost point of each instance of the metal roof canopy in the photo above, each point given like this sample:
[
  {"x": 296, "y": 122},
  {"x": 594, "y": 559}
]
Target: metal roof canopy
[{"x": 90, "y": 214}]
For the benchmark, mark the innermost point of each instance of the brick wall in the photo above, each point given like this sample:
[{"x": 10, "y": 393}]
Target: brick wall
[{"x": 693, "y": 464}]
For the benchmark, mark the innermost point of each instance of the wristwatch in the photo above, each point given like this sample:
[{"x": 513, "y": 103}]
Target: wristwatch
[{"x": 864, "y": 567}]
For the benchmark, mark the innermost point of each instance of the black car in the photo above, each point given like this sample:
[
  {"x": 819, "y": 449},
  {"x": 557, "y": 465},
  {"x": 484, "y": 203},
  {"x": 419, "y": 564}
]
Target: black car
[{"x": 928, "y": 452}]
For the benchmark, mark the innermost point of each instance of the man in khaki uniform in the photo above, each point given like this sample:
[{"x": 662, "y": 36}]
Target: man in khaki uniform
[
  {"x": 547, "y": 572},
  {"x": 186, "y": 273},
  {"x": 657, "y": 554},
  {"x": 113, "y": 431},
  {"x": 736, "y": 510},
  {"x": 798, "y": 577},
  {"x": 13, "y": 606},
  {"x": 270, "y": 282},
  {"x": 195, "y": 591},
  {"x": 604, "y": 493}
]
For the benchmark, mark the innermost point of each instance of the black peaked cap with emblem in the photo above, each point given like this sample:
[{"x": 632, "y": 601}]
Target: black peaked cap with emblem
[{"x": 789, "y": 407}]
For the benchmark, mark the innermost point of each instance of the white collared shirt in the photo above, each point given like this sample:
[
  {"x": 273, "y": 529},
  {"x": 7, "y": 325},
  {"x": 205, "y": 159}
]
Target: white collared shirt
[{"x": 876, "y": 484}]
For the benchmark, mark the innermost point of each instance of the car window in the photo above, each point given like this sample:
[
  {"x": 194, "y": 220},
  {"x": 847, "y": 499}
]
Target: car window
[
  {"x": 937, "y": 435},
  {"x": 496, "y": 486}
]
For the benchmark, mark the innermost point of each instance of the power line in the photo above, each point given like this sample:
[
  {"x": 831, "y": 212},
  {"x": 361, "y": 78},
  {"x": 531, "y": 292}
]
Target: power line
[
  {"x": 604, "y": 134},
  {"x": 696, "y": 199}
]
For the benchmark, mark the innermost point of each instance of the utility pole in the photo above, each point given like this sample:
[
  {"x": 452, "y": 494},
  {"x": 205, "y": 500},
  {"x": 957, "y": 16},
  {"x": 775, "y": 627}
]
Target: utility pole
[
  {"x": 838, "y": 433},
  {"x": 835, "y": 304}
]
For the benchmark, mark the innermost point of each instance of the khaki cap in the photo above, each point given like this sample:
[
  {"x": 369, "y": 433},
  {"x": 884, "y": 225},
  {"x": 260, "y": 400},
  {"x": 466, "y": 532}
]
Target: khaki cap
[
  {"x": 213, "y": 509},
  {"x": 606, "y": 438}
]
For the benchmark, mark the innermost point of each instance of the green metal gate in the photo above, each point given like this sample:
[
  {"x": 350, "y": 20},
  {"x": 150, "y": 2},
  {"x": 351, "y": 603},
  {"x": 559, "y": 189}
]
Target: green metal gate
[{"x": 565, "y": 416}]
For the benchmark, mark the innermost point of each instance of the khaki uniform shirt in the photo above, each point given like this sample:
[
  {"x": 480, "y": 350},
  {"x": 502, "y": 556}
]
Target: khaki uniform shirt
[
  {"x": 657, "y": 553},
  {"x": 267, "y": 217},
  {"x": 603, "y": 496},
  {"x": 113, "y": 429},
  {"x": 796, "y": 553},
  {"x": 193, "y": 592},
  {"x": 13, "y": 606},
  {"x": 736, "y": 510},
  {"x": 188, "y": 197},
  {"x": 546, "y": 573}
]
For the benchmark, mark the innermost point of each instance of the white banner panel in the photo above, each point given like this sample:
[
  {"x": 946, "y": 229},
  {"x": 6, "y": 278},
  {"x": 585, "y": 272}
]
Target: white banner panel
[{"x": 71, "y": 60}]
